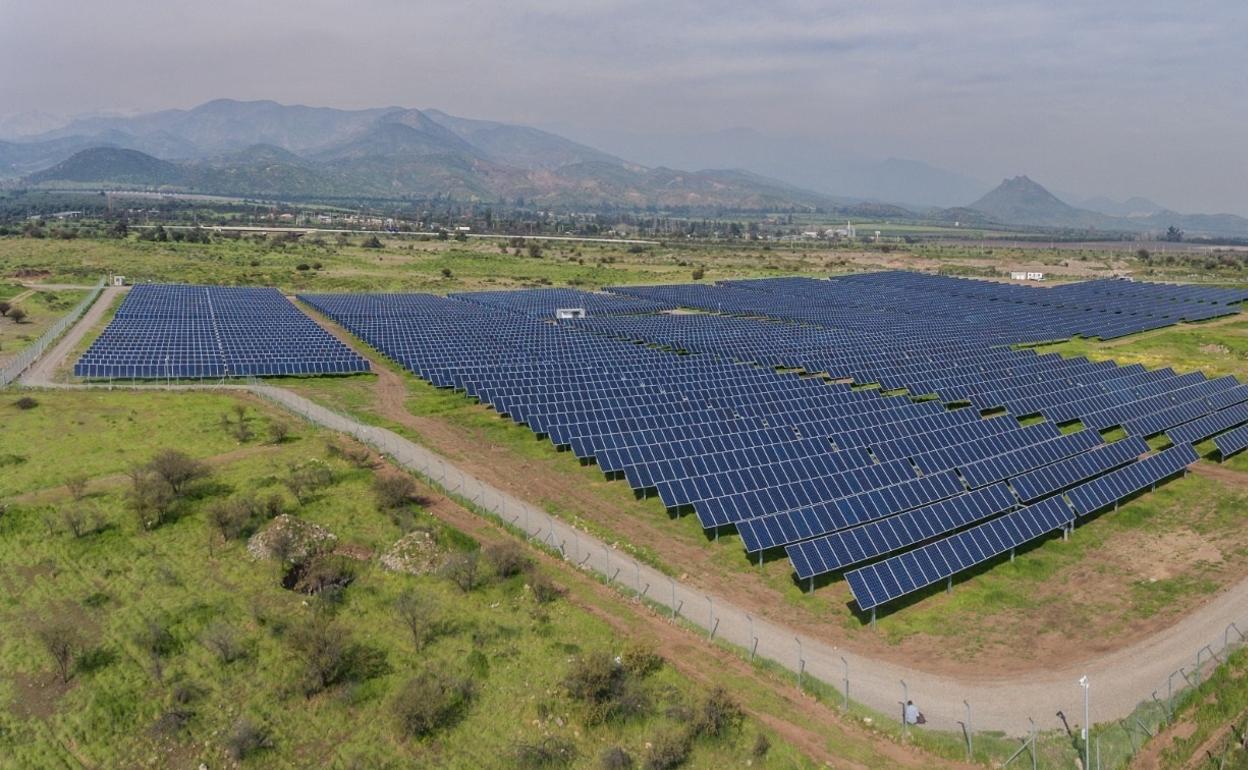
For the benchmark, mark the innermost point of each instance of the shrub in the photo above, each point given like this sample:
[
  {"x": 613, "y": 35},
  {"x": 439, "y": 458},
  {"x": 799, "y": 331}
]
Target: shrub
[
  {"x": 279, "y": 431},
  {"x": 321, "y": 573},
  {"x": 393, "y": 490},
  {"x": 698, "y": 273},
  {"x": 551, "y": 751},
  {"x": 446, "y": 272},
  {"x": 247, "y": 738},
  {"x": 461, "y": 569},
  {"x": 604, "y": 688},
  {"x": 668, "y": 750},
  {"x": 761, "y": 747},
  {"x": 303, "y": 267},
  {"x": 507, "y": 559},
  {"x": 615, "y": 758},
  {"x": 307, "y": 478},
  {"x": 325, "y": 649},
  {"x": 544, "y": 589},
  {"x": 716, "y": 715},
  {"x": 151, "y": 498},
  {"x": 640, "y": 659},
  {"x": 223, "y": 640},
  {"x": 17, "y": 315},
  {"x": 26, "y": 403},
  {"x": 430, "y": 701}
]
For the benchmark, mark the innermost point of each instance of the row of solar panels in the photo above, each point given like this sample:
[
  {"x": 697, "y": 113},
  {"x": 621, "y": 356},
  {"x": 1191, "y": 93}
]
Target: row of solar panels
[{"x": 194, "y": 332}]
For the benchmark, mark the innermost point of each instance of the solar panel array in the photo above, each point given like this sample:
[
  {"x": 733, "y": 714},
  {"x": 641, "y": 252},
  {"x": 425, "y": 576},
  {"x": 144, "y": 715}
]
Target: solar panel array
[
  {"x": 194, "y": 332},
  {"x": 754, "y": 415}
]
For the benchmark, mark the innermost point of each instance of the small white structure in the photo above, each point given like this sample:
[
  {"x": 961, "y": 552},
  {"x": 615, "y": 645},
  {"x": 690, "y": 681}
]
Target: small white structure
[
  {"x": 119, "y": 280},
  {"x": 565, "y": 313},
  {"x": 1022, "y": 275}
]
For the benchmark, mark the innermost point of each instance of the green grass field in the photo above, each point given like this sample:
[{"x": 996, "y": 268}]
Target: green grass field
[
  {"x": 406, "y": 264},
  {"x": 127, "y": 706},
  {"x": 43, "y": 309}
]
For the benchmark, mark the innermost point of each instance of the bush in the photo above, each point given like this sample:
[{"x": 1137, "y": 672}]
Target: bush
[
  {"x": 230, "y": 518},
  {"x": 507, "y": 559},
  {"x": 326, "y": 651},
  {"x": 716, "y": 715},
  {"x": 321, "y": 573},
  {"x": 393, "y": 490},
  {"x": 279, "y": 431},
  {"x": 698, "y": 273},
  {"x": 224, "y": 641},
  {"x": 544, "y": 589},
  {"x": 668, "y": 750},
  {"x": 604, "y": 688},
  {"x": 551, "y": 751},
  {"x": 26, "y": 403},
  {"x": 761, "y": 747},
  {"x": 247, "y": 738},
  {"x": 430, "y": 701},
  {"x": 615, "y": 758},
  {"x": 640, "y": 659},
  {"x": 17, "y": 315},
  {"x": 372, "y": 242},
  {"x": 461, "y": 569}
]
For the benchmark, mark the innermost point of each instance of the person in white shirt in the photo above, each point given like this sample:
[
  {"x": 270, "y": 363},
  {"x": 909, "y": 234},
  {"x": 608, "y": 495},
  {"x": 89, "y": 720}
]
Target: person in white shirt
[{"x": 913, "y": 715}]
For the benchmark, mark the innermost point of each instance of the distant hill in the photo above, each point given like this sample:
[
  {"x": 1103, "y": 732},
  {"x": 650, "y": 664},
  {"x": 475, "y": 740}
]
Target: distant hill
[
  {"x": 1131, "y": 207},
  {"x": 114, "y": 165},
  {"x": 1022, "y": 202},
  {"x": 272, "y": 150}
]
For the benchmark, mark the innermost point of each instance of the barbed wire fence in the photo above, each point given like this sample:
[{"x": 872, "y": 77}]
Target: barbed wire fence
[{"x": 23, "y": 361}]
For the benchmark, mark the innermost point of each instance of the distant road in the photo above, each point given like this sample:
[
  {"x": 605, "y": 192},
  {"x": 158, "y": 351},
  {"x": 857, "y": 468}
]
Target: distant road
[{"x": 311, "y": 230}]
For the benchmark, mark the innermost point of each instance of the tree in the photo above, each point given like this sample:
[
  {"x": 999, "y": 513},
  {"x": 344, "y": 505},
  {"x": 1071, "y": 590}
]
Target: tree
[
  {"x": 535, "y": 250},
  {"x": 17, "y": 315},
  {"x": 76, "y": 485},
  {"x": 75, "y": 521},
  {"x": 507, "y": 559},
  {"x": 5, "y": 308},
  {"x": 151, "y": 498},
  {"x": 1173, "y": 234},
  {"x": 240, "y": 426},
  {"x": 461, "y": 569},
  {"x": 177, "y": 469},
  {"x": 420, "y": 615},
  {"x": 63, "y": 642},
  {"x": 698, "y": 274},
  {"x": 372, "y": 242},
  {"x": 229, "y": 518}
]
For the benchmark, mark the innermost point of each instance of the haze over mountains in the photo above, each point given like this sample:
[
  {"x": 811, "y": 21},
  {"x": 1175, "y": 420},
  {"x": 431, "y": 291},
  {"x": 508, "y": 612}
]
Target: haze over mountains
[{"x": 265, "y": 149}]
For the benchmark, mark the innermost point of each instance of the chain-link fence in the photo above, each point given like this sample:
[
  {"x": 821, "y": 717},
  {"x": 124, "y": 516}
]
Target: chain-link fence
[
  {"x": 857, "y": 686},
  {"x": 13, "y": 369}
]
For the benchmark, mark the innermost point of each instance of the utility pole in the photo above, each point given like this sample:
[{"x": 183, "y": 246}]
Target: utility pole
[{"x": 1087, "y": 733}]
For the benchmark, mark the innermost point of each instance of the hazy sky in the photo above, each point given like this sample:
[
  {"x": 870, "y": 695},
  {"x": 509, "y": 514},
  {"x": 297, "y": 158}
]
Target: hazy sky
[{"x": 1117, "y": 97}]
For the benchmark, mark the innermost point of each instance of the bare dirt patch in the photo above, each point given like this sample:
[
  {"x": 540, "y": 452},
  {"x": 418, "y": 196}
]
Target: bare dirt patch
[
  {"x": 1162, "y": 556},
  {"x": 36, "y": 696}
]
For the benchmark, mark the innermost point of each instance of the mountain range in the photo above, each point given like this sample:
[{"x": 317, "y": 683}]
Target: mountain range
[{"x": 262, "y": 149}]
